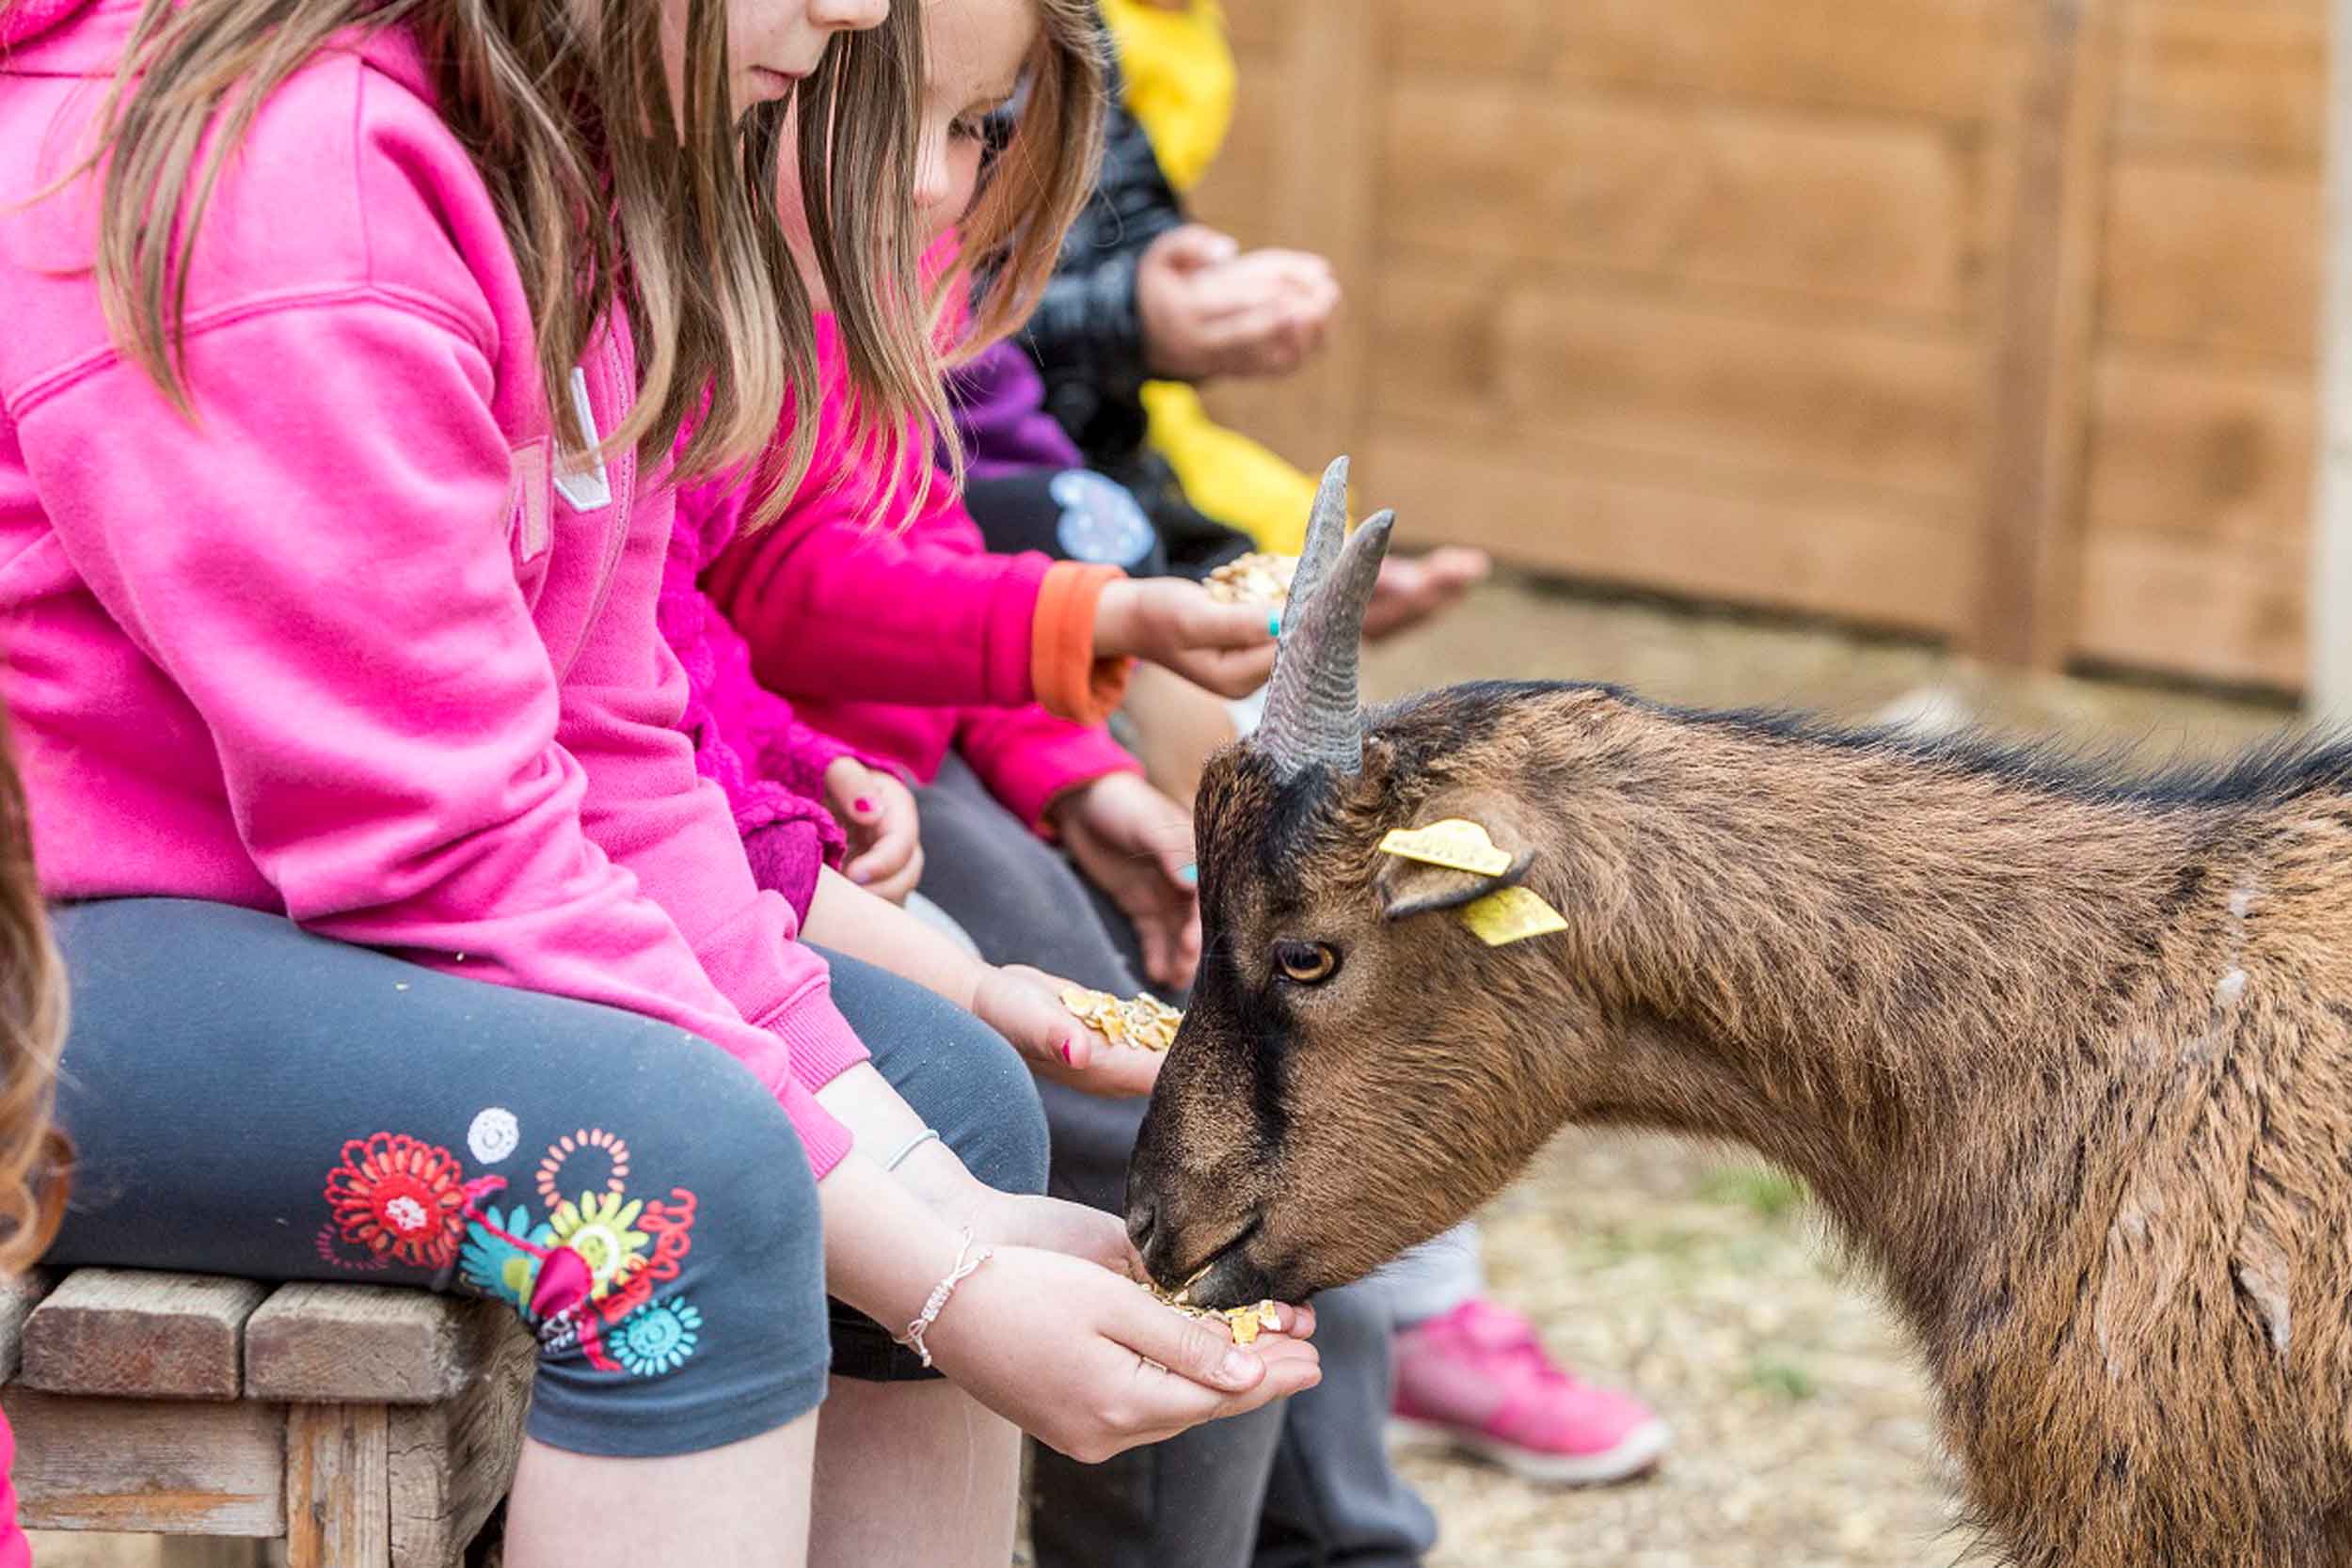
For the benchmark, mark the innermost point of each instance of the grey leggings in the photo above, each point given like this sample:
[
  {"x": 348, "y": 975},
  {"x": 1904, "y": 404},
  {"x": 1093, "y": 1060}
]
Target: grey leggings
[{"x": 249, "y": 1099}]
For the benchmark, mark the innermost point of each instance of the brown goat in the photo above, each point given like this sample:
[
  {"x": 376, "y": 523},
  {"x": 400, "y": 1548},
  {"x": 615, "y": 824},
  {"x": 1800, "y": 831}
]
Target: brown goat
[{"x": 2067, "y": 1055}]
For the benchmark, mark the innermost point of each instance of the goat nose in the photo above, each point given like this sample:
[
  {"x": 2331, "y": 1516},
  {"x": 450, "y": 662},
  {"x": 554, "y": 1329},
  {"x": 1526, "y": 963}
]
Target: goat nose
[{"x": 1143, "y": 1219}]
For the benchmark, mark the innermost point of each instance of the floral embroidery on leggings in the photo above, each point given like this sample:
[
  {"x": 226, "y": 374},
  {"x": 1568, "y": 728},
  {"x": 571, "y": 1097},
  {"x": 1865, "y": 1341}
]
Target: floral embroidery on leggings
[
  {"x": 625, "y": 1329},
  {"x": 585, "y": 1273},
  {"x": 401, "y": 1198},
  {"x": 560, "y": 1174},
  {"x": 598, "y": 1229},
  {"x": 502, "y": 1253},
  {"x": 658, "y": 1337},
  {"x": 337, "y": 1253}
]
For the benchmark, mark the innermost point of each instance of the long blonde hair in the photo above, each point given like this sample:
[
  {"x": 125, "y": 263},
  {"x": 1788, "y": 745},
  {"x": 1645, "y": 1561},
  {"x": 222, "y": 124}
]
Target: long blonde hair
[
  {"x": 610, "y": 196},
  {"x": 1033, "y": 189},
  {"x": 1041, "y": 178},
  {"x": 35, "y": 1158}
]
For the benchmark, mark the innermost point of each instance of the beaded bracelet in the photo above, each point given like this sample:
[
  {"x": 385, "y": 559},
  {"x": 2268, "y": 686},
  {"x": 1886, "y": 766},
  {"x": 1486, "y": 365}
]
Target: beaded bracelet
[{"x": 968, "y": 1264}]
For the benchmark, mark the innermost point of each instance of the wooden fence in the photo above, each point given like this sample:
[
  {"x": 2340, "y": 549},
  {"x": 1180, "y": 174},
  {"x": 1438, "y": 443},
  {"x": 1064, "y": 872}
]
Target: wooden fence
[{"x": 1988, "y": 319}]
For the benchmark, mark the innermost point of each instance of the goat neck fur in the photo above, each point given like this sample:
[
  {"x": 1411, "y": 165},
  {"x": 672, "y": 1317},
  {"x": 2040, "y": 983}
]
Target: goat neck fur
[{"x": 2067, "y": 1055}]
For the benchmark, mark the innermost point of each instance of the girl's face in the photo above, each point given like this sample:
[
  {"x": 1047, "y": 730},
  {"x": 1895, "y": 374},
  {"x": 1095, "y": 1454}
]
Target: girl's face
[
  {"x": 770, "y": 43},
  {"x": 974, "y": 53},
  {"x": 974, "y": 50}
]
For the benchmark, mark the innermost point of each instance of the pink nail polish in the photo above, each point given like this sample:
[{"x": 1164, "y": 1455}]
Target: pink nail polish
[
  {"x": 862, "y": 807},
  {"x": 1069, "y": 1053}
]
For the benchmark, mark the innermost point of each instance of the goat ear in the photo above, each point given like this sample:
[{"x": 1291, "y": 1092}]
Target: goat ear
[{"x": 1408, "y": 888}]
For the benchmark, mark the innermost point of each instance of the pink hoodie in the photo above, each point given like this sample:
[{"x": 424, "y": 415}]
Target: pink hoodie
[
  {"x": 358, "y": 644},
  {"x": 15, "y": 1551},
  {"x": 904, "y": 640},
  {"x": 747, "y": 739}
]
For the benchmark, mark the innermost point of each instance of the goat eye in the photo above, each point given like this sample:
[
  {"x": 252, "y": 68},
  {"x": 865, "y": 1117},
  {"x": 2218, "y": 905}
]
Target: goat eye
[{"x": 1305, "y": 963}]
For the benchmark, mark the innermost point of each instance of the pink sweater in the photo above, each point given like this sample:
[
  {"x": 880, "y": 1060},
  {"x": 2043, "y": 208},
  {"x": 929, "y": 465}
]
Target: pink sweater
[
  {"x": 15, "y": 1551},
  {"x": 747, "y": 739},
  {"x": 904, "y": 640},
  {"x": 354, "y": 646}
]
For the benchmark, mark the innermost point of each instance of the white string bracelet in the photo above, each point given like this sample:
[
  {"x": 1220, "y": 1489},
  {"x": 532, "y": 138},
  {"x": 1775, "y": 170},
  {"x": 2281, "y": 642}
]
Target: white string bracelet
[
  {"x": 928, "y": 1135},
  {"x": 968, "y": 1264}
]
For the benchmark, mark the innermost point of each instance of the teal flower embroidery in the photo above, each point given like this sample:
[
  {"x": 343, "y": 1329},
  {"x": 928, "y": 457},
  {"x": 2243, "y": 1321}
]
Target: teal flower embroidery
[
  {"x": 496, "y": 1266},
  {"x": 658, "y": 1337}
]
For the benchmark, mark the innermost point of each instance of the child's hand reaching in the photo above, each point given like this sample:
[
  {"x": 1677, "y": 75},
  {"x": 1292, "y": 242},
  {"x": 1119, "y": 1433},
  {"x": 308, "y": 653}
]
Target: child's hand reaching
[
  {"x": 1208, "y": 310},
  {"x": 878, "y": 813},
  {"x": 1135, "y": 845},
  {"x": 1227, "y": 648},
  {"x": 1024, "y": 1005}
]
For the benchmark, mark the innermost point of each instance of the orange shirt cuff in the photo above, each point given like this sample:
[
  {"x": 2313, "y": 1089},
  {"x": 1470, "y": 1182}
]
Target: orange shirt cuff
[{"x": 1072, "y": 683}]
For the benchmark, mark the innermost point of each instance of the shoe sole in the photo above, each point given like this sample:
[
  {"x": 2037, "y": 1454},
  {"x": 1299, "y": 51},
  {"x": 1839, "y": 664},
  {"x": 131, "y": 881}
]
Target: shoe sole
[{"x": 1634, "y": 1455}]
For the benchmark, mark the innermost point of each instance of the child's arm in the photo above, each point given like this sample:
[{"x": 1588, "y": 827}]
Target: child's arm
[
  {"x": 1125, "y": 838},
  {"x": 1028, "y": 758},
  {"x": 836, "y": 609},
  {"x": 1020, "y": 1004}
]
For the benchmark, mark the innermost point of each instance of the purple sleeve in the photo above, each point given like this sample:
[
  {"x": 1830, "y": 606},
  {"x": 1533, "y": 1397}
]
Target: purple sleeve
[{"x": 1001, "y": 417}]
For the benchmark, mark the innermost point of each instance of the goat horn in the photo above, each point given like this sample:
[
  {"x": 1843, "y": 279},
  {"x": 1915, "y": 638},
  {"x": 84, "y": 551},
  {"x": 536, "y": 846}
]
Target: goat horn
[
  {"x": 1326, "y": 531},
  {"x": 1313, "y": 713}
]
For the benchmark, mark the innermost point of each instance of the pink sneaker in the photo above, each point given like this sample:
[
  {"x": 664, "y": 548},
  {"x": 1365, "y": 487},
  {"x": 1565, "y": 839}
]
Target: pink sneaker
[{"x": 1479, "y": 1379}]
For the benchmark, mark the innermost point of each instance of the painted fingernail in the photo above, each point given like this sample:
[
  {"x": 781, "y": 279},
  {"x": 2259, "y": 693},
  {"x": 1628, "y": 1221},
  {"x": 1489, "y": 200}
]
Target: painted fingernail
[
  {"x": 863, "y": 807},
  {"x": 1274, "y": 625},
  {"x": 1069, "y": 1053},
  {"x": 1189, "y": 876}
]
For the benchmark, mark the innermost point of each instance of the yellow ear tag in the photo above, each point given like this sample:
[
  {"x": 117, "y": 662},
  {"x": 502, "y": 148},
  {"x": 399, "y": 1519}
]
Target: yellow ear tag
[
  {"x": 1453, "y": 844},
  {"x": 1512, "y": 915}
]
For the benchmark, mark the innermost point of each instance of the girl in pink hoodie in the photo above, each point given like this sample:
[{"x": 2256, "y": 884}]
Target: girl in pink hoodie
[
  {"x": 973, "y": 673},
  {"x": 335, "y": 412}
]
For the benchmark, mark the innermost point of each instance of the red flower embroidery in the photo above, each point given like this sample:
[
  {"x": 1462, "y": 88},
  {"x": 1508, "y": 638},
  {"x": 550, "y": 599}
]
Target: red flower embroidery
[
  {"x": 399, "y": 1198},
  {"x": 330, "y": 1252}
]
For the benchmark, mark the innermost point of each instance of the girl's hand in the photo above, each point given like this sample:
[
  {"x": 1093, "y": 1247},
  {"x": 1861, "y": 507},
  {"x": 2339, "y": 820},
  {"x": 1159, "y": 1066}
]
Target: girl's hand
[
  {"x": 1050, "y": 1225},
  {"x": 878, "y": 813},
  {"x": 1024, "y": 1005},
  {"x": 961, "y": 1200},
  {"x": 1135, "y": 845},
  {"x": 1229, "y": 648},
  {"x": 1082, "y": 1360}
]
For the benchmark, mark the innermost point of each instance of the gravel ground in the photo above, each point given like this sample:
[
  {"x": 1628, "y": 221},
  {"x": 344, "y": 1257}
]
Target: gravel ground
[{"x": 1803, "y": 1436}]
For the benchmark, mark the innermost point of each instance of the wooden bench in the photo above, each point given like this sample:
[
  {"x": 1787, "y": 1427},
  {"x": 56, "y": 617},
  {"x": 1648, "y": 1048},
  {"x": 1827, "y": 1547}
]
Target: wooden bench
[{"x": 367, "y": 1427}]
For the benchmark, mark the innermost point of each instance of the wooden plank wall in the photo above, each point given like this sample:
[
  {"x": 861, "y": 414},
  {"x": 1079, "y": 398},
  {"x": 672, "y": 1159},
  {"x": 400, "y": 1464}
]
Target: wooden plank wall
[{"x": 1836, "y": 306}]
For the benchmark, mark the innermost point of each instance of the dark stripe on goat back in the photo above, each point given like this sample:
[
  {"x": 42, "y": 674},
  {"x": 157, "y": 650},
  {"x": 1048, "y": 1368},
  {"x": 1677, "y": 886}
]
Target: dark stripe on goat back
[{"x": 2286, "y": 767}]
